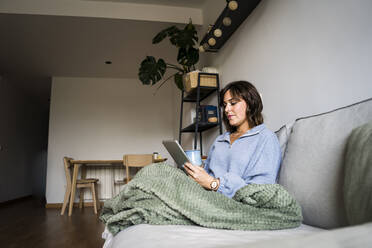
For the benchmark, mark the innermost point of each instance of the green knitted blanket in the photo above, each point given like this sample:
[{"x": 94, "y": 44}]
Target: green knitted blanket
[{"x": 161, "y": 195}]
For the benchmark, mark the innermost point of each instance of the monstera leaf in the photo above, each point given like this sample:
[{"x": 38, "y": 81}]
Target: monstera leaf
[
  {"x": 178, "y": 80},
  {"x": 185, "y": 38},
  {"x": 164, "y": 33},
  {"x": 151, "y": 71},
  {"x": 188, "y": 57}
]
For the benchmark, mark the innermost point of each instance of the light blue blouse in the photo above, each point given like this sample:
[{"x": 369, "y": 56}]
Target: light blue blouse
[{"x": 253, "y": 158}]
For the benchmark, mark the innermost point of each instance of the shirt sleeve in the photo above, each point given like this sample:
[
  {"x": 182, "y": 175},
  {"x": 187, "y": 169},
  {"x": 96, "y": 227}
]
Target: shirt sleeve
[
  {"x": 230, "y": 183},
  {"x": 262, "y": 170},
  {"x": 266, "y": 167},
  {"x": 207, "y": 161}
]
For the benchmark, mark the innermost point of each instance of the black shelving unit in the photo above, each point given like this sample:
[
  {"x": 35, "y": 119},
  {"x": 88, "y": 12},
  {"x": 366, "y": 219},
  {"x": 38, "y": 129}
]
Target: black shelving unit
[{"x": 197, "y": 95}]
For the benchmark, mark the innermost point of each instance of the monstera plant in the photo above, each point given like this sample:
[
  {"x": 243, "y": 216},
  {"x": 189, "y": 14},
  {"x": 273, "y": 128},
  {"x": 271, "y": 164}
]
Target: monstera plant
[{"x": 152, "y": 71}]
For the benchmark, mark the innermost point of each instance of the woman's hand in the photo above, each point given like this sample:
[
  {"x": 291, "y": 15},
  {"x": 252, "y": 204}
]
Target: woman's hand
[{"x": 199, "y": 175}]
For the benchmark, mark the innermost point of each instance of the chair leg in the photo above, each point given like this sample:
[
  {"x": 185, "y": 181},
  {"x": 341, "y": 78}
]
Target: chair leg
[
  {"x": 73, "y": 189},
  {"x": 65, "y": 201},
  {"x": 81, "y": 193},
  {"x": 127, "y": 171},
  {"x": 72, "y": 197},
  {"x": 81, "y": 198},
  {"x": 97, "y": 198},
  {"x": 94, "y": 197}
]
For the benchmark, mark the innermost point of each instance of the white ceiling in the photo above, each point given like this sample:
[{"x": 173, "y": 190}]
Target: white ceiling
[
  {"x": 71, "y": 45},
  {"x": 43, "y": 45},
  {"x": 74, "y": 38},
  {"x": 180, "y": 3}
]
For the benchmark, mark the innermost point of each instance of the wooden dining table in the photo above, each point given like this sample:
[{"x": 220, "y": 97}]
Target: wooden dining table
[{"x": 76, "y": 164}]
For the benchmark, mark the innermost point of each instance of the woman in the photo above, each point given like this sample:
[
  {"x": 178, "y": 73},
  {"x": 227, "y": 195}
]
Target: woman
[{"x": 247, "y": 153}]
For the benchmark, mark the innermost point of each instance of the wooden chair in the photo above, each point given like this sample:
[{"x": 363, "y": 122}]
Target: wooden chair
[
  {"x": 80, "y": 184},
  {"x": 136, "y": 160}
]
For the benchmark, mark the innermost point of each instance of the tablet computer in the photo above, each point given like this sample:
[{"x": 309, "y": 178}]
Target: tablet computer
[{"x": 176, "y": 151}]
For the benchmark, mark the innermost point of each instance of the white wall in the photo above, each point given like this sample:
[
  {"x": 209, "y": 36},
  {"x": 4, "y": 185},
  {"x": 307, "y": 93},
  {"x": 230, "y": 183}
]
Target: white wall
[
  {"x": 101, "y": 118},
  {"x": 305, "y": 57},
  {"x": 14, "y": 180},
  {"x": 23, "y": 137}
]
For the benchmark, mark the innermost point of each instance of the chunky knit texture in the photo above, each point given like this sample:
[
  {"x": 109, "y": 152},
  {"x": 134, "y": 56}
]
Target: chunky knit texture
[{"x": 162, "y": 195}]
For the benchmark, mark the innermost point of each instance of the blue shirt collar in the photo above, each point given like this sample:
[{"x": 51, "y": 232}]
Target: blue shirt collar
[{"x": 250, "y": 132}]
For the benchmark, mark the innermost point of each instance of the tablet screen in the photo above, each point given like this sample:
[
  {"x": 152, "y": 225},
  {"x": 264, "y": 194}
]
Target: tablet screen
[{"x": 176, "y": 151}]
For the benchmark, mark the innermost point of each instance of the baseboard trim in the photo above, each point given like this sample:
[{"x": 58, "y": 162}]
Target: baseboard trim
[
  {"x": 76, "y": 204},
  {"x": 20, "y": 199}
]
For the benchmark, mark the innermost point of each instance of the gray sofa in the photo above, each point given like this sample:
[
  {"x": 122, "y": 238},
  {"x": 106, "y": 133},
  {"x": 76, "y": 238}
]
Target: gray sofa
[{"x": 312, "y": 171}]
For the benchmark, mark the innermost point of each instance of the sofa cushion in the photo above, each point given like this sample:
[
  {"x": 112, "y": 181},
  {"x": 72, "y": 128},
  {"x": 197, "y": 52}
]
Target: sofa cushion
[
  {"x": 180, "y": 236},
  {"x": 351, "y": 237},
  {"x": 283, "y": 135},
  {"x": 312, "y": 169},
  {"x": 358, "y": 175}
]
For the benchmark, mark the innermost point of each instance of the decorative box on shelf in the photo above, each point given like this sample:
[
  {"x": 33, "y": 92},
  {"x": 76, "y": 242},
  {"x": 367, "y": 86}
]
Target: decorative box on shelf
[
  {"x": 191, "y": 80},
  {"x": 210, "y": 113},
  {"x": 207, "y": 114}
]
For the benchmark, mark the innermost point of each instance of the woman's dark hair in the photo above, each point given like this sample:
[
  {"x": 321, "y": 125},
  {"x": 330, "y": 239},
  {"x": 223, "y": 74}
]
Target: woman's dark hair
[{"x": 246, "y": 91}]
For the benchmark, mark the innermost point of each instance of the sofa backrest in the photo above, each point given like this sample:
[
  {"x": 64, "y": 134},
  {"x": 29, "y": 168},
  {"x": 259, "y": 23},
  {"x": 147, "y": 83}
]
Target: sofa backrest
[{"x": 312, "y": 167}]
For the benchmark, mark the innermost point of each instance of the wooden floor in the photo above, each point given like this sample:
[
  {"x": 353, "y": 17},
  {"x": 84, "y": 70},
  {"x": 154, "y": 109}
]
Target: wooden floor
[{"x": 29, "y": 224}]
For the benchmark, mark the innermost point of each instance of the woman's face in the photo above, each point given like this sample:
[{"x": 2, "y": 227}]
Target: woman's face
[{"x": 235, "y": 110}]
